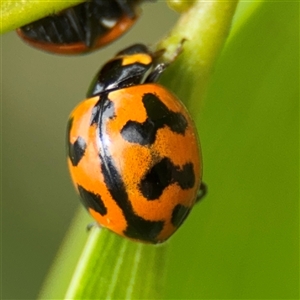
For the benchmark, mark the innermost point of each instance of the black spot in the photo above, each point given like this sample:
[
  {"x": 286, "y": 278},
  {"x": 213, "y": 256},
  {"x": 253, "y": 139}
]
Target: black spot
[
  {"x": 91, "y": 200},
  {"x": 179, "y": 214},
  {"x": 162, "y": 175},
  {"x": 159, "y": 113},
  {"x": 77, "y": 150},
  {"x": 157, "y": 179},
  {"x": 137, "y": 227},
  {"x": 158, "y": 116},
  {"x": 139, "y": 133},
  {"x": 185, "y": 177}
]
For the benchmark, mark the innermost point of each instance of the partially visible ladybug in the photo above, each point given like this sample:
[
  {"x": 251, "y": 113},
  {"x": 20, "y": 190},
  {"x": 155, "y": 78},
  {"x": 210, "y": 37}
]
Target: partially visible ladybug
[
  {"x": 82, "y": 28},
  {"x": 133, "y": 150}
]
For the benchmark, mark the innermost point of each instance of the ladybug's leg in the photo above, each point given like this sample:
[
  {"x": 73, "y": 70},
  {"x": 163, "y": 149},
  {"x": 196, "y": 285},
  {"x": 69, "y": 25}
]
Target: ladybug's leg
[
  {"x": 154, "y": 75},
  {"x": 161, "y": 63},
  {"x": 92, "y": 225},
  {"x": 201, "y": 192}
]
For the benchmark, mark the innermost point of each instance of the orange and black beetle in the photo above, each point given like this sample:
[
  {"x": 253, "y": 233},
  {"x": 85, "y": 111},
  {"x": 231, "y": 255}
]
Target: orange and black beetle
[{"x": 133, "y": 150}]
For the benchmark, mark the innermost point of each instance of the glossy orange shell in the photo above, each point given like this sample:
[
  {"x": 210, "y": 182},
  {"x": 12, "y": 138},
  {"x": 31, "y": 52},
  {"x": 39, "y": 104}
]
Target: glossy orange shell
[{"x": 132, "y": 161}]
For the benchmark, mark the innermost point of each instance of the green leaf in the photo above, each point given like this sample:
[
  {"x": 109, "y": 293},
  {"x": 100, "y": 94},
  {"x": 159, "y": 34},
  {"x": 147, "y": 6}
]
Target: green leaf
[
  {"x": 245, "y": 234},
  {"x": 112, "y": 267},
  {"x": 61, "y": 272},
  {"x": 17, "y": 13}
]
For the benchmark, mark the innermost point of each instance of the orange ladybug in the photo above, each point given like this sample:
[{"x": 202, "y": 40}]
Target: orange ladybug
[{"x": 133, "y": 150}]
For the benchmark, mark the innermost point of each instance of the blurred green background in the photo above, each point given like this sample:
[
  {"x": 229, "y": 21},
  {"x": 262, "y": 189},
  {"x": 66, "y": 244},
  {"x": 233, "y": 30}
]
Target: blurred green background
[{"x": 242, "y": 241}]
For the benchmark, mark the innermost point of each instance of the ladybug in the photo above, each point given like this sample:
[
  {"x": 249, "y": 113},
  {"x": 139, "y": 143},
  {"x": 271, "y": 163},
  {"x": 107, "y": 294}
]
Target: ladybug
[
  {"x": 133, "y": 150},
  {"x": 82, "y": 28}
]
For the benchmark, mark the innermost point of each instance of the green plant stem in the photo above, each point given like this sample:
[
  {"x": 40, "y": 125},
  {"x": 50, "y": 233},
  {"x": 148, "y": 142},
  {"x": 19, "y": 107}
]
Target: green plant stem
[
  {"x": 112, "y": 267},
  {"x": 204, "y": 29}
]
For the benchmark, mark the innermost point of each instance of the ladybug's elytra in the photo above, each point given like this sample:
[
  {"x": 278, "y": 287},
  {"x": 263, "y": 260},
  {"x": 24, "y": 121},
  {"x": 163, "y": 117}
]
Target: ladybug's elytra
[
  {"x": 133, "y": 150},
  {"x": 82, "y": 28}
]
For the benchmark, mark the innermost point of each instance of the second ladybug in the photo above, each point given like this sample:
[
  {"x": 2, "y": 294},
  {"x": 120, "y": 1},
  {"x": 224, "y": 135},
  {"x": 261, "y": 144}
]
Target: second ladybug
[
  {"x": 133, "y": 150},
  {"x": 82, "y": 28}
]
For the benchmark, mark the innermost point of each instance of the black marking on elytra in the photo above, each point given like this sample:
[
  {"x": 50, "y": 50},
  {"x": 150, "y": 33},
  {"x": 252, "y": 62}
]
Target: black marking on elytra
[
  {"x": 163, "y": 174},
  {"x": 139, "y": 133},
  {"x": 186, "y": 176},
  {"x": 98, "y": 109},
  {"x": 137, "y": 227},
  {"x": 179, "y": 214},
  {"x": 94, "y": 115},
  {"x": 158, "y": 116},
  {"x": 91, "y": 200},
  {"x": 75, "y": 151}
]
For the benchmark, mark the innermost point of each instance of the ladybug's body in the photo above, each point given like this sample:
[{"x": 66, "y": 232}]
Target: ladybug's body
[
  {"x": 82, "y": 28},
  {"x": 134, "y": 156}
]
